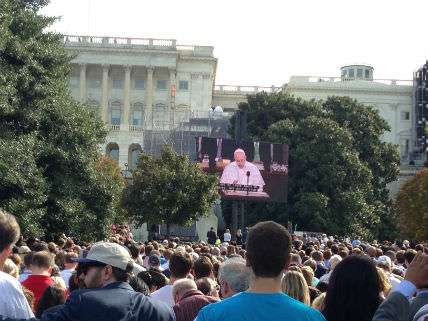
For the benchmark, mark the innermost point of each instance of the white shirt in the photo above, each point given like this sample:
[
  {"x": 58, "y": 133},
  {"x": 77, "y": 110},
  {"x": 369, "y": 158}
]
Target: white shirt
[
  {"x": 13, "y": 303},
  {"x": 233, "y": 173},
  {"x": 227, "y": 237},
  {"x": 66, "y": 274},
  {"x": 164, "y": 294}
]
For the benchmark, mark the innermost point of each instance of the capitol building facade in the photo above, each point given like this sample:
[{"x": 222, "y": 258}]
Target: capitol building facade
[{"x": 154, "y": 91}]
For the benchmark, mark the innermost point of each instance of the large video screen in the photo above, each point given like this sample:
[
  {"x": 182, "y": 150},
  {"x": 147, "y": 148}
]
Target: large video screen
[{"x": 256, "y": 171}]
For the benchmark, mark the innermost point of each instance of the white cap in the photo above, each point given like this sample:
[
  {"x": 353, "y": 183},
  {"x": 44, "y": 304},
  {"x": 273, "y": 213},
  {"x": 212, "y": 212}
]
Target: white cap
[{"x": 108, "y": 253}]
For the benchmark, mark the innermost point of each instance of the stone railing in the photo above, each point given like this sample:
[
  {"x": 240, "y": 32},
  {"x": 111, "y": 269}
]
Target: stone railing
[
  {"x": 245, "y": 89},
  {"x": 317, "y": 79},
  {"x": 145, "y": 43},
  {"x": 114, "y": 128},
  {"x": 133, "y": 128}
]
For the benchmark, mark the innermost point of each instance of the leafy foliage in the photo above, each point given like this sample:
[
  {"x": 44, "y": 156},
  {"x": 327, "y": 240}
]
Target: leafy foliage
[
  {"x": 338, "y": 165},
  {"x": 412, "y": 204},
  {"x": 169, "y": 190},
  {"x": 48, "y": 161}
]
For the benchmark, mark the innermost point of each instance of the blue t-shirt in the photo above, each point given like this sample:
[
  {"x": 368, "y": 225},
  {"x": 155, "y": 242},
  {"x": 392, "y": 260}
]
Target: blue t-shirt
[{"x": 250, "y": 306}]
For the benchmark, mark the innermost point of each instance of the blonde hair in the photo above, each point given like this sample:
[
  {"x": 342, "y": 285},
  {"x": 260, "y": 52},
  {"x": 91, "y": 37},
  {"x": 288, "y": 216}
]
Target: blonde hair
[
  {"x": 385, "y": 284},
  {"x": 59, "y": 282},
  {"x": 318, "y": 303},
  {"x": 294, "y": 284},
  {"x": 308, "y": 274},
  {"x": 10, "y": 268}
]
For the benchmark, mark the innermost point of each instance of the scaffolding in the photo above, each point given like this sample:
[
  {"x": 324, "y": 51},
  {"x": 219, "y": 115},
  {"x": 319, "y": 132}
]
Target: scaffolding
[{"x": 420, "y": 128}]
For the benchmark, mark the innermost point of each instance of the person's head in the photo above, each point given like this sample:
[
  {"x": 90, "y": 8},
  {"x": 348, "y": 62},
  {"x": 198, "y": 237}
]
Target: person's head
[
  {"x": 294, "y": 285},
  {"x": 208, "y": 287},
  {"x": 385, "y": 284},
  {"x": 154, "y": 279},
  {"x": 203, "y": 267},
  {"x": 106, "y": 263},
  {"x": 42, "y": 263},
  {"x": 181, "y": 287},
  {"x": 9, "y": 235},
  {"x": 134, "y": 249},
  {"x": 318, "y": 302},
  {"x": 308, "y": 274},
  {"x": 311, "y": 263},
  {"x": 268, "y": 249},
  {"x": 154, "y": 260},
  {"x": 295, "y": 259},
  {"x": 180, "y": 265},
  {"x": 52, "y": 296},
  {"x": 335, "y": 259},
  {"x": 10, "y": 268},
  {"x": 317, "y": 256},
  {"x": 138, "y": 285},
  {"x": 240, "y": 157},
  {"x": 353, "y": 290},
  {"x": 70, "y": 260},
  {"x": 409, "y": 255},
  {"x": 233, "y": 276}
]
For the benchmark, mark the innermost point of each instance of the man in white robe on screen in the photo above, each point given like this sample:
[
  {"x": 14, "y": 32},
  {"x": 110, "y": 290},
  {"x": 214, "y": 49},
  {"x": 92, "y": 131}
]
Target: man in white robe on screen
[{"x": 236, "y": 172}]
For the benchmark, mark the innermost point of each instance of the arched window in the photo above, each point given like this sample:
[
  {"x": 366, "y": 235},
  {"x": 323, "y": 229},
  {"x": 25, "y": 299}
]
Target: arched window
[
  {"x": 112, "y": 150},
  {"x": 137, "y": 114},
  {"x": 115, "y": 112},
  {"x": 134, "y": 154}
]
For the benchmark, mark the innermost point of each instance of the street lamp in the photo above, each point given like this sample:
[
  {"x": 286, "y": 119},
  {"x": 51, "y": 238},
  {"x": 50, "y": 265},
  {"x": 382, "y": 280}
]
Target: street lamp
[{"x": 126, "y": 173}]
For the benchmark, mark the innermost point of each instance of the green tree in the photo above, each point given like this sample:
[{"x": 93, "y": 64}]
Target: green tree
[
  {"x": 48, "y": 167},
  {"x": 169, "y": 190},
  {"x": 412, "y": 205},
  {"x": 338, "y": 165}
]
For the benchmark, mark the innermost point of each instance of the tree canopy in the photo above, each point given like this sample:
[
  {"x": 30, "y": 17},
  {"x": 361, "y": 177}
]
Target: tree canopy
[
  {"x": 339, "y": 167},
  {"x": 412, "y": 205},
  {"x": 169, "y": 190},
  {"x": 49, "y": 143}
]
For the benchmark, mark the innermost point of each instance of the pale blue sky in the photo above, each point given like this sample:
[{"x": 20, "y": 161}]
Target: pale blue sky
[{"x": 265, "y": 42}]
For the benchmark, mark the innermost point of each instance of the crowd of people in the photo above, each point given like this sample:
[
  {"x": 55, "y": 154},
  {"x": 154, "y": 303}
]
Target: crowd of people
[{"x": 267, "y": 275}]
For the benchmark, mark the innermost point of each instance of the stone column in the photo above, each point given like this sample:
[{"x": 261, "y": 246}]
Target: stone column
[
  {"x": 149, "y": 97},
  {"x": 82, "y": 83},
  {"x": 172, "y": 94},
  {"x": 126, "y": 96},
  {"x": 104, "y": 93}
]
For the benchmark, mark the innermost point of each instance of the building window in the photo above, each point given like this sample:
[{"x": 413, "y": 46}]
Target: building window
[
  {"x": 161, "y": 85},
  {"x": 137, "y": 118},
  {"x": 73, "y": 82},
  {"x": 112, "y": 151},
  {"x": 351, "y": 73},
  {"x": 367, "y": 73},
  {"x": 117, "y": 83},
  {"x": 344, "y": 73},
  {"x": 94, "y": 83},
  {"x": 359, "y": 73},
  {"x": 183, "y": 85},
  {"x": 160, "y": 106},
  {"x": 134, "y": 155},
  {"x": 116, "y": 113},
  {"x": 405, "y": 115},
  {"x": 139, "y": 84}
]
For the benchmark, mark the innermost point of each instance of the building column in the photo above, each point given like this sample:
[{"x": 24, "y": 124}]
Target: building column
[
  {"x": 104, "y": 93},
  {"x": 82, "y": 83},
  {"x": 172, "y": 94},
  {"x": 126, "y": 96},
  {"x": 149, "y": 97}
]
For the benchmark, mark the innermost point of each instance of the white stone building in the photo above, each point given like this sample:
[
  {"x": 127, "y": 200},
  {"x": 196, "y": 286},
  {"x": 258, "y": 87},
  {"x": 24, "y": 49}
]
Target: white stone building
[{"x": 142, "y": 88}]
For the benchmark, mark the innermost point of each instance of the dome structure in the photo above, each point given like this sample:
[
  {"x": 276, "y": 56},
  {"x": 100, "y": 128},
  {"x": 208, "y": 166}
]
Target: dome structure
[{"x": 357, "y": 72}]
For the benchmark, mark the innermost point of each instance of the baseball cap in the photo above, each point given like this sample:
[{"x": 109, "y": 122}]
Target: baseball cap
[
  {"x": 23, "y": 249},
  {"x": 154, "y": 260},
  {"x": 108, "y": 253}
]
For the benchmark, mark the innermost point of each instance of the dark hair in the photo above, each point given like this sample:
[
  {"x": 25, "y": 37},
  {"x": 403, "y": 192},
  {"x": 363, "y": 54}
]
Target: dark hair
[
  {"x": 42, "y": 259},
  {"x": 121, "y": 275},
  {"x": 353, "y": 290},
  {"x": 202, "y": 267},
  {"x": 139, "y": 285},
  {"x": 40, "y": 246},
  {"x": 153, "y": 278},
  {"x": 204, "y": 285},
  {"x": 268, "y": 249},
  {"x": 134, "y": 249},
  {"x": 28, "y": 258},
  {"x": 409, "y": 255},
  {"x": 180, "y": 264},
  {"x": 9, "y": 230},
  {"x": 52, "y": 296}
]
